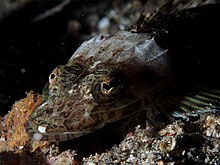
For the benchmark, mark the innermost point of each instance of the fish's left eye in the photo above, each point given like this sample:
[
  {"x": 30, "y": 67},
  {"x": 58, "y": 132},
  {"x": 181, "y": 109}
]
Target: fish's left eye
[{"x": 108, "y": 88}]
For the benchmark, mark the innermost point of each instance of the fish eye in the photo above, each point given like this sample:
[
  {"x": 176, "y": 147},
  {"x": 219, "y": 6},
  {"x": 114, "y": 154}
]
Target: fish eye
[
  {"x": 108, "y": 88},
  {"x": 52, "y": 76},
  {"x": 55, "y": 73}
]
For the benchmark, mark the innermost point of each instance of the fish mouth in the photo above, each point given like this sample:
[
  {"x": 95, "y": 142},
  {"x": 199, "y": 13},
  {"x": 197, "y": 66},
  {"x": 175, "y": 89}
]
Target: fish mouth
[
  {"x": 38, "y": 133},
  {"x": 32, "y": 131}
]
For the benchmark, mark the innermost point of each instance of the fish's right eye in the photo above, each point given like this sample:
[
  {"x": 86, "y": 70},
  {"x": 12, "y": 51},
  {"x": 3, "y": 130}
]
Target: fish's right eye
[{"x": 108, "y": 87}]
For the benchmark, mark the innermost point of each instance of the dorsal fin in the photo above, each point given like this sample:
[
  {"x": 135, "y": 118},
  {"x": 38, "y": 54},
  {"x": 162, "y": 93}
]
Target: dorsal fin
[{"x": 161, "y": 17}]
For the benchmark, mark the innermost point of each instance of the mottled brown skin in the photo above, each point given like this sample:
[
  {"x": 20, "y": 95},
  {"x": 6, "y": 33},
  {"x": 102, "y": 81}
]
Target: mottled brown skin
[
  {"x": 108, "y": 78},
  {"x": 111, "y": 77}
]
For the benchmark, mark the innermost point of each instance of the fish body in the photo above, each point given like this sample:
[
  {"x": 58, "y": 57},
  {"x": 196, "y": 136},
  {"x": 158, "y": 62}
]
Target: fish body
[{"x": 108, "y": 78}]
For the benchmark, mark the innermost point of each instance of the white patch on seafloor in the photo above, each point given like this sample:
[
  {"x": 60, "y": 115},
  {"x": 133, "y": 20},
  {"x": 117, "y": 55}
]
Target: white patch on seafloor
[{"x": 37, "y": 136}]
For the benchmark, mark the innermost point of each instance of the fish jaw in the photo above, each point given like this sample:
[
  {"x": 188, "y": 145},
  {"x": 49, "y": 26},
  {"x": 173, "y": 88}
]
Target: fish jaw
[{"x": 108, "y": 78}]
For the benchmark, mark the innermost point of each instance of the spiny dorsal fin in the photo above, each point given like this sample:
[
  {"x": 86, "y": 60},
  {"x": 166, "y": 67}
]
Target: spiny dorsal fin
[{"x": 161, "y": 17}]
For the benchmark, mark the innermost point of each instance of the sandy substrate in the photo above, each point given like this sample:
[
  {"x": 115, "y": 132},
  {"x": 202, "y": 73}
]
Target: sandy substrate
[{"x": 179, "y": 142}]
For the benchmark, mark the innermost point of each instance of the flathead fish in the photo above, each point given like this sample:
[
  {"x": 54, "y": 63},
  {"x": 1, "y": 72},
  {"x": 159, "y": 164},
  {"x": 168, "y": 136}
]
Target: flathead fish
[{"x": 114, "y": 76}]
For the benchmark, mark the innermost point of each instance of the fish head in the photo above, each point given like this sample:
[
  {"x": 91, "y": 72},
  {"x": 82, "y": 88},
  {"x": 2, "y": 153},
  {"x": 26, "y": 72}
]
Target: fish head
[{"x": 108, "y": 78}]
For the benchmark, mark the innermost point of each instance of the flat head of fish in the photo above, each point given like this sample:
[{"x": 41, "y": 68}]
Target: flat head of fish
[{"x": 108, "y": 78}]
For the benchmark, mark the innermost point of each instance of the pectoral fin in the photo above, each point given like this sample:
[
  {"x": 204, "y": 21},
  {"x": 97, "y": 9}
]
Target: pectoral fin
[{"x": 192, "y": 104}]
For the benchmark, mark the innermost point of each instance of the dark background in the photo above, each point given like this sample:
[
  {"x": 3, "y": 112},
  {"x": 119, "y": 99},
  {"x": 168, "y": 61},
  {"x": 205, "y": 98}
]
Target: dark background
[{"x": 33, "y": 42}]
